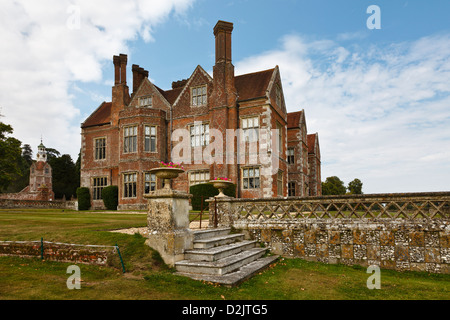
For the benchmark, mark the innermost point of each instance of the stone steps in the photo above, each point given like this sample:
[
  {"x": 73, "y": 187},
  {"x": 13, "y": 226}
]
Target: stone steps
[
  {"x": 218, "y": 252},
  {"x": 224, "y": 258}
]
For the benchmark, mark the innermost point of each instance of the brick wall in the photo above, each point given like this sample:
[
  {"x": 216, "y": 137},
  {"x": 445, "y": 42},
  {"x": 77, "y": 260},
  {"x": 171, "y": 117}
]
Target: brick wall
[
  {"x": 17, "y": 203},
  {"x": 57, "y": 252}
]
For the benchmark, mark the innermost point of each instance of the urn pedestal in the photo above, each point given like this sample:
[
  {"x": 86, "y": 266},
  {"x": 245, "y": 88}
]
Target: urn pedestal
[{"x": 168, "y": 219}]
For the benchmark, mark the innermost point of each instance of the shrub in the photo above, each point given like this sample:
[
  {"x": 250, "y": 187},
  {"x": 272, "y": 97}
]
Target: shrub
[
  {"x": 84, "y": 198},
  {"x": 207, "y": 191},
  {"x": 110, "y": 196}
]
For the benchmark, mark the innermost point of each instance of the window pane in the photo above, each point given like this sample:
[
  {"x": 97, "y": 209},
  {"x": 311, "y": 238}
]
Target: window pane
[
  {"x": 153, "y": 144},
  {"x": 153, "y": 131},
  {"x": 250, "y": 183}
]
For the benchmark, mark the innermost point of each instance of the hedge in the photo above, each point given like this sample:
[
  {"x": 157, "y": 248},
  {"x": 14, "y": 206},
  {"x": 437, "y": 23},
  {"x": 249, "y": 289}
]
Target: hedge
[
  {"x": 84, "y": 198},
  {"x": 110, "y": 196},
  {"x": 207, "y": 190}
]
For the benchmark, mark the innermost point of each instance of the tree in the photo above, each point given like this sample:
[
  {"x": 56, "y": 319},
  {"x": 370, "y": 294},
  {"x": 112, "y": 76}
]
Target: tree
[
  {"x": 84, "y": 198},
  {"x": 27, "y": 154},
  {"x": 64, "y": 176},
  {"x": 110, "y": 196},
  {"x": 10, "y": 156},
  {"x": 355, "y": 186},
  {"x": 333, "y": 186},
  {"x": 51, "y": 154}
]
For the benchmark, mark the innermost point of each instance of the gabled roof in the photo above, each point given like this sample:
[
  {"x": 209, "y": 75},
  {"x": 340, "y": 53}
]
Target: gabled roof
[
  {"x": 100, "y": 116},
  {"x": 198, "y": 69},
  {"x": 295, "y": 119},
  {"x": 312, "y": 140},
  {"x": 248, "y": 86},
  {"x": 253, "y": 85},
  {"x": 170, "y": 95}
]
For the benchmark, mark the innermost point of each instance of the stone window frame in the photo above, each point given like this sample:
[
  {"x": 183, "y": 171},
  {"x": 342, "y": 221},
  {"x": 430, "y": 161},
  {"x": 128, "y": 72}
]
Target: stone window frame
[
  {"x": 151, "y": 183},
  {"x": 278, "y": 97},
  {"x": 145, "y": 101},
  {"x": 129, "y": 183},
  {"x": 245, "y": 127},
  {"x": 290, "y": 158},
  {"x": 280, "y": 139},
  {"x": 203, "y": 134},
  {"x": 251, "y": 177},
  {"x": 150, "y": 138},
  {"x": 97, "y": 184},
  {"x": 291, "y": 188},
  {"x": 195, "y": 181},
  {"x": 280, "y": 180},
  {"x": 98, "y": 155},
  {"x": 127, "y": 138},
  {"x": 203, "y": 95}
]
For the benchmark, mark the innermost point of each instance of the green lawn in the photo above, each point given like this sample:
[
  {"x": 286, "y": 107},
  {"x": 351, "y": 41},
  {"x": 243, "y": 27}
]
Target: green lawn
[{"x": 147, "y": 277}]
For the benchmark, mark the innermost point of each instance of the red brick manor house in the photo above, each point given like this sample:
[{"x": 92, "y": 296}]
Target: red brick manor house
[{"x": 124, "y": 138}]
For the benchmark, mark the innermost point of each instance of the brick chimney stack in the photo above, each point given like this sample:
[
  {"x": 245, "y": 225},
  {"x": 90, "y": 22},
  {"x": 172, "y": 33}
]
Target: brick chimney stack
[
  {"x": 120, "y": 94},
  {"x": 139, "y": 74},
  {"x": 222, "y": 32},
  {"x": 223, "y": 99},
  {"x": 123, "y": 68}
]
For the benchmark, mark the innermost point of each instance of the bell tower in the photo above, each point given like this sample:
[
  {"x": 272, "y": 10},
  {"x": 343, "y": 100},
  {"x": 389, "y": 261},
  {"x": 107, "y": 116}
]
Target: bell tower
[{"x": 41, "y": 154}]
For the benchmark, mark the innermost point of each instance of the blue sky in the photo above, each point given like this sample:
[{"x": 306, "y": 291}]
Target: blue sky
[{"x": 379, "y": 99}]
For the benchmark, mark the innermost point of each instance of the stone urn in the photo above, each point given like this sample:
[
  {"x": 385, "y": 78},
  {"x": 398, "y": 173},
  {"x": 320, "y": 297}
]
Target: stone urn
[
  {"x": 221, "y": 185},
  {"x": 167, "y": 173}
]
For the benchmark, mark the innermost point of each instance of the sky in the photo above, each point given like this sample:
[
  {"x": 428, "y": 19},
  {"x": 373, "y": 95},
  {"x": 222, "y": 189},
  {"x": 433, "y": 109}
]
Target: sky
[{"x": 379, "y": 98}]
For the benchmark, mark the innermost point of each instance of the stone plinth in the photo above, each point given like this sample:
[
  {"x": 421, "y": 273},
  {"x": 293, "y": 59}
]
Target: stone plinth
[{"x": 168, "y": 224}]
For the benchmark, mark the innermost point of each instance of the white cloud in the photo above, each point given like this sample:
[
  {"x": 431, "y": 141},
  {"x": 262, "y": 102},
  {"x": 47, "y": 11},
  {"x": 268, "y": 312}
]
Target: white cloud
[
  {"x": 382, "y": 113},
  {"x": 48, "y": 45}
]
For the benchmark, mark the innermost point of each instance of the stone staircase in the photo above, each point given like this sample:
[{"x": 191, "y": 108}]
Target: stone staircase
[{"x": 224, "y": 258}]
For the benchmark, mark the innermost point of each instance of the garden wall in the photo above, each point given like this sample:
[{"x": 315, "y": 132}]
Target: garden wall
[
  {"x": 395, "y": 231},
  {"x": 15, "y": 203},
  {"x": 61, "y": 252}
]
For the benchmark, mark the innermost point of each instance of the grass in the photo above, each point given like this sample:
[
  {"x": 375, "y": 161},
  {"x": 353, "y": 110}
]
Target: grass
[{"x": 148, "y": 278}]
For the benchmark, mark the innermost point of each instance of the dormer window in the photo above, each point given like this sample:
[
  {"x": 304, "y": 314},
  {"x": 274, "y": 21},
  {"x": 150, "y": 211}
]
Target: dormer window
[
  {"x": 198, "y": 96},
  {"x": 145, "y": 101}
]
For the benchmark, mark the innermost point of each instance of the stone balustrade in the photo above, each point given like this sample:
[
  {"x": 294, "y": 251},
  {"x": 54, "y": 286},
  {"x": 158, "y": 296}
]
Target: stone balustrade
[{"x": 409, "y": 231}]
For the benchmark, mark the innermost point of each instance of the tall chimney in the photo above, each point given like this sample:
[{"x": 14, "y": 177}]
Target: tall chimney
[
  {"x": 222, "y": 32},
  {"x": 223, "y": 99},
  {"x": 116, "y": 61},
  {"x": 136, "y": 82},
  {"x": 123, "y": 68},
  {"x": 120, "y": 95},
  {"x": 139, "y": 74}
]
